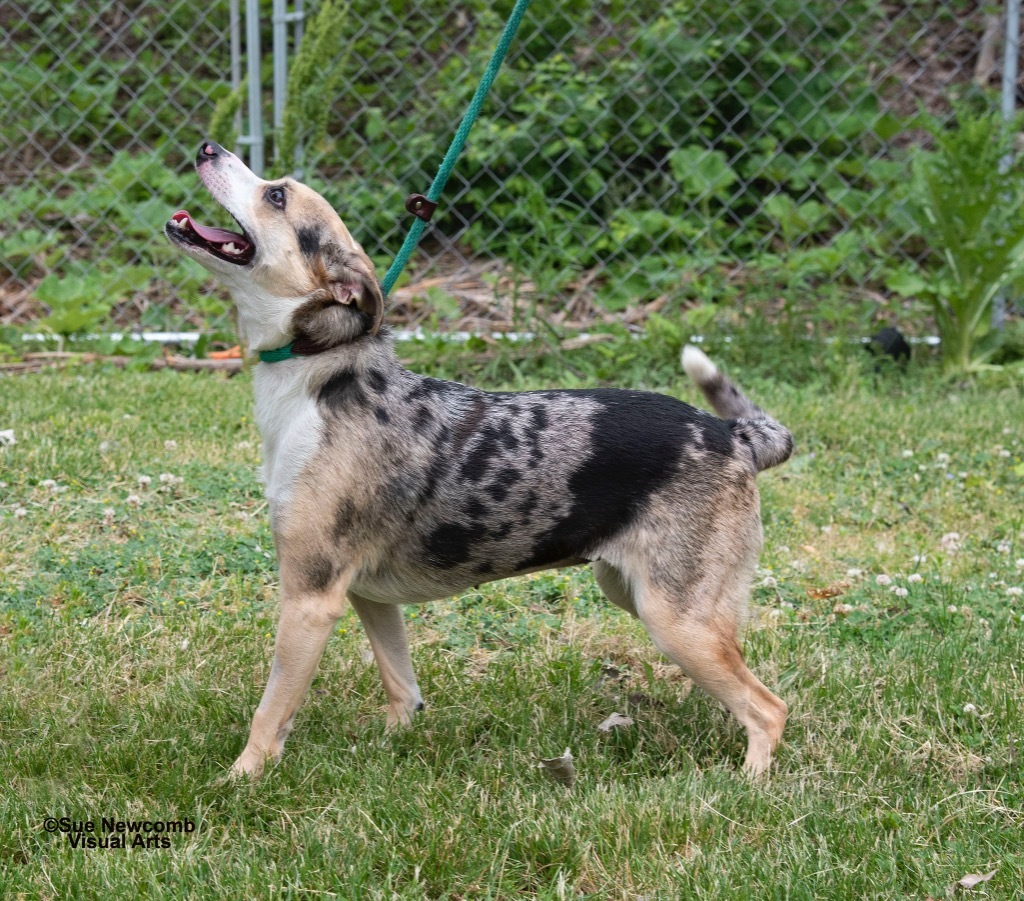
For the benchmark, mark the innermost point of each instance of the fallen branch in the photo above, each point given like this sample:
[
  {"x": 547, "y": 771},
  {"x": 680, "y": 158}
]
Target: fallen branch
[{"x": 33, "y": 362}]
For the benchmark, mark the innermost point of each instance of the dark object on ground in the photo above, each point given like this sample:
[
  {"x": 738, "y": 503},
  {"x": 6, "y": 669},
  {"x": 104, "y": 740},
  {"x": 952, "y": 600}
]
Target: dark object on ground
[{"x": 891, "y": 343}]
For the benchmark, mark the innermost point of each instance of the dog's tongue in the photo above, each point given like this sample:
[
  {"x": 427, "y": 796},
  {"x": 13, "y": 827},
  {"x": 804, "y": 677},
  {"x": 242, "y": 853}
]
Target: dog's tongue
[{"x": 214, "y": 235}]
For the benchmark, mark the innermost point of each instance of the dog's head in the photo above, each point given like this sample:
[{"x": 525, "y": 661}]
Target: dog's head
[{"x": 294, "y": 271}]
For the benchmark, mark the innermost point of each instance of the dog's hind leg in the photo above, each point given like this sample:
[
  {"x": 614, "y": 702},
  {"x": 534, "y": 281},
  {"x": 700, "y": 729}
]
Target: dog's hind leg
[
  {"x": 702, "y": 639},
  {"x": 385, "y": 627},
  {"x": 308, "y": 614}
]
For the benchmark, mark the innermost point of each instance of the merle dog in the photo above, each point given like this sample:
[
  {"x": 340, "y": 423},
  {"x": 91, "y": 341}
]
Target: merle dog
[{"x": 389, "y": 488}]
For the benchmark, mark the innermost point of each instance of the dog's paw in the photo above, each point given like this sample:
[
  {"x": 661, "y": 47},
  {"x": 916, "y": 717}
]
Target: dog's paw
[
  {"x": 249, "y": 767},
  {"x": 402, "y": 714}
]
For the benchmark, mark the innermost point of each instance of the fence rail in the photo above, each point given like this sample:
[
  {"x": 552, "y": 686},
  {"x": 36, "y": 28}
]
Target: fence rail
[{"x": 640, "y": 153}]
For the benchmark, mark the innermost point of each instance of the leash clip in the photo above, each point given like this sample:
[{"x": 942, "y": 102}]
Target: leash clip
[{"x": 420, "y": 206}]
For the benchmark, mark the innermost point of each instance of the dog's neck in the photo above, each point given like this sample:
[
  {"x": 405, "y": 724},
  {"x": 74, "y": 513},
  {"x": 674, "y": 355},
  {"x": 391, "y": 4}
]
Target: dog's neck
[{"x": 264, "y": 321}]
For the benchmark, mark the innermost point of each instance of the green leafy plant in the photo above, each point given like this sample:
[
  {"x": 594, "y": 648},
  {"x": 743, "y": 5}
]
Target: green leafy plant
[
  {"x": 966, "y": 199},
  {"x": 84, "y": 297}
]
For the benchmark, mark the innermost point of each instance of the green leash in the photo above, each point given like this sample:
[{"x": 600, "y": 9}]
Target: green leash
[{"x": 423, "y": 207}]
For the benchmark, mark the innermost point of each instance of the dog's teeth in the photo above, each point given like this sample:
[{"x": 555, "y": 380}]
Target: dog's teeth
[{"x": 230, "y": 248}]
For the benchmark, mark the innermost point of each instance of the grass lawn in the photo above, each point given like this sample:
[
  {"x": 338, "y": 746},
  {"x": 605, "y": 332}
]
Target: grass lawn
[{"x": 136, "y": 622}]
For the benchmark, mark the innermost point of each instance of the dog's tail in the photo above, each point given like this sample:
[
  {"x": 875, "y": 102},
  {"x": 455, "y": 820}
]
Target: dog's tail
[{"x": 769, "y": 442}]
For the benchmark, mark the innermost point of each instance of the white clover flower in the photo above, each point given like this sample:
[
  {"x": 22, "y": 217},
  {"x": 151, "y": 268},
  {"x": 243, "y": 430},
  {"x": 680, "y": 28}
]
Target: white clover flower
[
  {"x": 1004, "y": 547},
  {"x": 108, "y": 516},
  {"x": 970, "y": 708},
  {"x": 244, "y": 445},
  {"x": 7, "y": 438},
  {"x": 133, "y": 500},
  {"x": 170, "y": 444},
  {"x": 899, "y": 591},
  {"x": 950, "y": 542},
  {"x": 48, "y": 484},
  {"x": 168, "y": 479},
  {"x": 1015, "y": 592},
  {"x": 20, "y": 512},
  {"x": 854, "y": 573},
  {"x": 241, "y": 514},
  {"x": 1005, "y": 454},
  {"x": 915, "y": 577},
  {"x": 883, "y": 579},
  {"x": 145, "y": 481},
  {"x": 1019, "y": 563},
  {"x": 942, "y": 459},
  {"x": 951, "y": 608},
  {"x": 843, "y": 609},
  {"x": 919, "y": 558},
  {"x": 907, "y": 454}
]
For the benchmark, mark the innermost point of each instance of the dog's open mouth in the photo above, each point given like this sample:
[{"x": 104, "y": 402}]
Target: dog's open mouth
[{"x": 225, "y": 245}]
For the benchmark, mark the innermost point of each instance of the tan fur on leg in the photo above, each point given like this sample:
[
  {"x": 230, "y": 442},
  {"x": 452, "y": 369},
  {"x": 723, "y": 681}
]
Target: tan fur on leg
[
  {"x": 705, "y": 646},
  {"x": 307, "y": 620},
  {"x": 385, "y": 628}
]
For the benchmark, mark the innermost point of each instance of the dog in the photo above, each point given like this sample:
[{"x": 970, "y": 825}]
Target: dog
[{"x": 390, "y": 488}]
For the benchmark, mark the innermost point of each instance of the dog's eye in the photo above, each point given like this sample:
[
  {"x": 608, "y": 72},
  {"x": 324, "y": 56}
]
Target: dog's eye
[{"x": 276, "y": 197}]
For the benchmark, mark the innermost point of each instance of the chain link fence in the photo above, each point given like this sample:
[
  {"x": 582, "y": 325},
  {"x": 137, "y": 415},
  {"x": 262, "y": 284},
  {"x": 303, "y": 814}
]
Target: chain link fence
[{"x": 632, "y": 155}]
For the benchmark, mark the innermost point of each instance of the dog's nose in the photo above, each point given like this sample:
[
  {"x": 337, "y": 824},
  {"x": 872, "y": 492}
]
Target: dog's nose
[{"x": 209, "y": 151}]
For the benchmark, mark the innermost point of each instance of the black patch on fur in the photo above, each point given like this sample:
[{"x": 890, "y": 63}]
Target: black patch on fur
[
  {"x": 319, "y": 572},
  {"x": 500, "y": 532},
  {"x": 499, "y": 488},
  {"x": 716, "y": 434},
  {"x": 478, "y": 460},
  {"x": 434, "y": 473},
  {"x": 637, "y": 441},
  {"x": 426, "y": 387},
  {"x": 474, "y": 509},
  {"x": 341, "y": 391},
  {"x": 449, "y": 544},
  {"x": 377, "y": 380},
  {"x": 527, "y": 505},
  {"x": 423, "y": 418},
  {"x": 344, "y": 514},
  {"x": 309, "y": 240},
  {"x": 382, "y": 416},
  {"x": 538, "y": 422},
  {"x": 506, "y": 435}
]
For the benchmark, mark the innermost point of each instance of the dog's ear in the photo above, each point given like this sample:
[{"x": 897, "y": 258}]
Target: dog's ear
[
  {"x": 351, "y": 279},
  {"x": 348, "y": 304}
]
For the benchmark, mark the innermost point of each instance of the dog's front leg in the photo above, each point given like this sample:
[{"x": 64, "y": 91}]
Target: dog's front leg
[
  {"x": 307, "y": 619},
  {"x": 385, "y": 628}
]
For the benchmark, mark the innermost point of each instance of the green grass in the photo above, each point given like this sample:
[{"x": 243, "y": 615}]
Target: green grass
[{"x": 135, "y": 639}]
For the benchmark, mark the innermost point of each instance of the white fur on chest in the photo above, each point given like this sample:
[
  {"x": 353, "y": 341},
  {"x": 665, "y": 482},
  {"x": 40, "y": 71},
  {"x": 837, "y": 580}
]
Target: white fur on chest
[{"x": 291, "y": 426}]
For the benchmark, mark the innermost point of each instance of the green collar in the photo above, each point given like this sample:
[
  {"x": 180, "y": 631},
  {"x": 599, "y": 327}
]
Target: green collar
[{"x": 277, "y": 354}]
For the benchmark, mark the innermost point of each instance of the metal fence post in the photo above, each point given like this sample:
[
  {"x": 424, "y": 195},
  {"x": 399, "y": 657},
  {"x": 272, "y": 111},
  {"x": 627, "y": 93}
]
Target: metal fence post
[
  {"x": 235, "y": 27},
  {"x": 1009, "y": 91},
  {"x": 252, "y": 51}
]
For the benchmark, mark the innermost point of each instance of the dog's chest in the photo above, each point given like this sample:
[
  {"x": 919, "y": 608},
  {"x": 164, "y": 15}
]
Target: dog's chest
[{"x": 291, "y": 425}]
